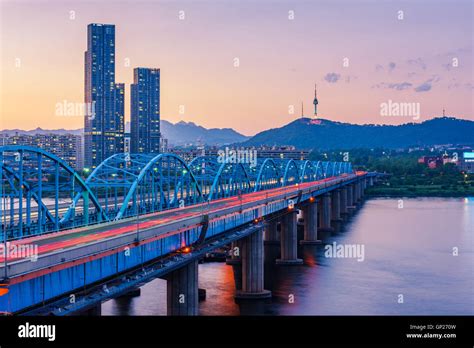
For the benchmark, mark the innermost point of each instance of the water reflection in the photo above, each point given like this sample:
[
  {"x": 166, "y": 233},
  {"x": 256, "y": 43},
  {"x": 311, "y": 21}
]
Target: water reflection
[{"x": 408, "y": 251}]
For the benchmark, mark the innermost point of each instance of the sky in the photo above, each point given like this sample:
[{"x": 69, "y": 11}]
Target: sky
[{"x": 241, "y": 64}]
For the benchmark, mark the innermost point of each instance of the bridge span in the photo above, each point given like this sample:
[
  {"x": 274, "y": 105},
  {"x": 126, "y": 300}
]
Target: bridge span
[{"x": 74, "y": 270}]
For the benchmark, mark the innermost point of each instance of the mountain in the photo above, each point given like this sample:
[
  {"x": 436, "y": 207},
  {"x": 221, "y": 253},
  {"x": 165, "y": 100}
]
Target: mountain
[
  {"x": 42, "y": 131},
  {"x": 180, "y": 133},
  {"x": 325, "y": 134},
  {"x": 183, "y": 133}
]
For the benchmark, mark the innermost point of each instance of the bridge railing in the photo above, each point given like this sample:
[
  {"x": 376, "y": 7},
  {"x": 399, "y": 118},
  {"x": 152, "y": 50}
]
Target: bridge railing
[{"x": 40, "y": 193}]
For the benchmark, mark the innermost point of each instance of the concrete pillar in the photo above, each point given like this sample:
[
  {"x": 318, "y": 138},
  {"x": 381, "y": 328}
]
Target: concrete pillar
[
  {"x": 182, "y": 290},
  {"x": 271, "y": 235},
  {"x": 356, "y": 193},
  {"x": 336, "y": 205},
  {"x": 236, "y": 262},
  {"x": 350, "y": 197},
  {"x": 343, "y": 196},
  {"x": 289, "y": 240},
  {"x": 310, "y": 214},
  {"x": 325, "y": 216},
  {"x": 371, "y": 181},
  {"x": 252, "y": 268}
]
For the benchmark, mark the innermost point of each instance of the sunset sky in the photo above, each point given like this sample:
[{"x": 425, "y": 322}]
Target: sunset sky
[{"x": 404, "y": 60}]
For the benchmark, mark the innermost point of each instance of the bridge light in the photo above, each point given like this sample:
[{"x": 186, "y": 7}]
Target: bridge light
[
  {"x": 186, "y": 250},
  {"x": 311, "y": 199},
  {"x": 184, "y": 171}
]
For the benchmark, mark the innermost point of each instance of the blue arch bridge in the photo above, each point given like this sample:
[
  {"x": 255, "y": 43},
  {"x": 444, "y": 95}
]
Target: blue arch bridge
[{"x": 70, "y": 243}]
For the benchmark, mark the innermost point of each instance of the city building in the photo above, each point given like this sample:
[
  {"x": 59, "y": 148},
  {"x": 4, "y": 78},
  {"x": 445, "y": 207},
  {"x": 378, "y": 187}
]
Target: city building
[
  {"x": 282, "y": 152},
  {"x": 145, "y": 111},
  {"x": 431, "y": 161},
  {"x": 126, "y": 147},
  {"x": 104, "y": 128},
  {"x": 164, "y": 145},
  {"x": 275, "y": 152},
  {"x": 467, "y": 162},
  {"x": 68, "y": 147}
]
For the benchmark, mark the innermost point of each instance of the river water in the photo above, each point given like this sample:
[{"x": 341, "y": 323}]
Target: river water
[{"x": 418, "y": 258}]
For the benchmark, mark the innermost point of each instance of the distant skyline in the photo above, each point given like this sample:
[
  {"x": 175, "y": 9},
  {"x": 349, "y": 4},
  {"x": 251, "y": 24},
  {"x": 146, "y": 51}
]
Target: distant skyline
[{"x": 358, "y": 52}]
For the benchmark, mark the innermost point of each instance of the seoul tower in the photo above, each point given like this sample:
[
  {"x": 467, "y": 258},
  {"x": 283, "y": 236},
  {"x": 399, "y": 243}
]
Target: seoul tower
[{"x": 315, "y": 102}]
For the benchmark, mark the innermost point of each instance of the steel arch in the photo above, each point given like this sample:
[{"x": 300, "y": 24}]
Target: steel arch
[
  {"x": 235, "y": 182},
  {"x": 289, "y": 165},
  {"x": 26, "y": 185},
  {"x": 33, "y": 165},
  {"x": 149, "y": 167},
  {"x": 261, "y": 178},
  {"x": 319, "y": 170},
  {"x": 205, "y": 169},
  {"x": 312, "y": 175}
]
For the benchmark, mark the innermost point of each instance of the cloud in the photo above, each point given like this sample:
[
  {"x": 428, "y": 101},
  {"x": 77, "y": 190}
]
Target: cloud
[
  {"x": 332, "y": 77},
  {"x": 418, "y": 62},
  {"x": 391, "y": 66},
  {"x": 396, "y": 86},
  {"x": 424, "y": 87},
  {"x": 378, "y": 67}
]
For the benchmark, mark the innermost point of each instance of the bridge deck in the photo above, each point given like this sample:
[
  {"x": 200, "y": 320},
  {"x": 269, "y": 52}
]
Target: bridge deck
[{"x": 81, "y": 236}]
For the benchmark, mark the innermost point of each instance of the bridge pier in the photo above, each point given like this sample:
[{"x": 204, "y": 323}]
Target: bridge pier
[
  {"x": 235, "y": 261},
  {"x": 271, "y": 235},
  {"x": 325, "y": 228},
  {"x": 350, "y": 199},
  {"x": 371, "y": 181},
  {"x": 310, "y": 215},
  {"x": 252, "y": 268},
  {"x": 336, "y": 207},
  {"x": 182, "y": 290},
  {"x": 289, "y": 240},
  {"x": 343, "y": 196},
  {"x": 356, "y": 193}
]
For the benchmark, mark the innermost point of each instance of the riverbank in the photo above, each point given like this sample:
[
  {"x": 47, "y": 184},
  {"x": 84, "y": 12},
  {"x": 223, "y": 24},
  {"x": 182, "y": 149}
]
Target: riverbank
[{"x": 420, "y": 191}]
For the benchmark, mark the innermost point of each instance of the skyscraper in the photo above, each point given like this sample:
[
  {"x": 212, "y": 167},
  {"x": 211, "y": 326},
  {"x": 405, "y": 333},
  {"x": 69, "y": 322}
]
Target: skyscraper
[
  {"x": 145, "y": 111},
  {"x": 104, "y": 129}
]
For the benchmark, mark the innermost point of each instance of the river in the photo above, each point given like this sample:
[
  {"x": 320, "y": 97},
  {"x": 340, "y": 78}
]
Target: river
[{"x": 418, "y": 259}]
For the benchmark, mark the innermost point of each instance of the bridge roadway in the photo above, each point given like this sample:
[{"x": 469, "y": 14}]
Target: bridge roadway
[{"x": 82, "y": 236}]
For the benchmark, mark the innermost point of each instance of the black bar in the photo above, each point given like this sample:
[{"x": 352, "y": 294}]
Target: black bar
[{"x": 291, "y": 331}]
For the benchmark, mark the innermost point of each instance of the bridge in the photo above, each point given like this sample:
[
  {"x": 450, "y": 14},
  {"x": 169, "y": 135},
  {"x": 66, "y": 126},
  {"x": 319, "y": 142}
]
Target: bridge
[{"x": 74, "y": 242}]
